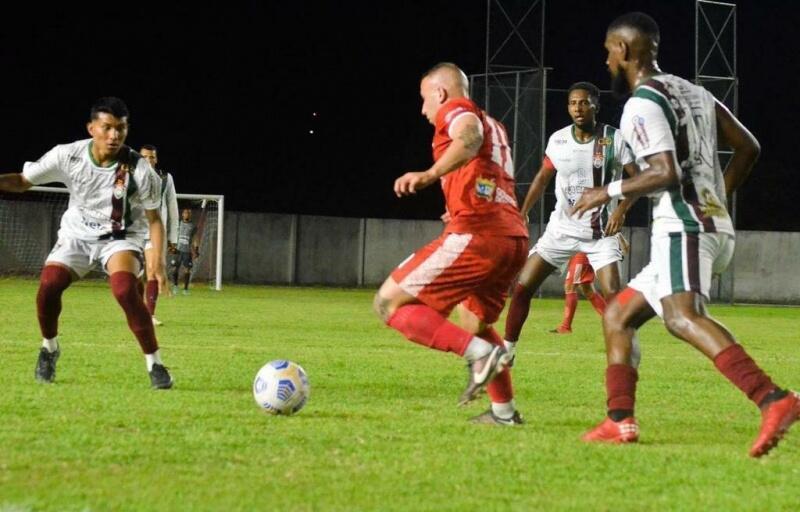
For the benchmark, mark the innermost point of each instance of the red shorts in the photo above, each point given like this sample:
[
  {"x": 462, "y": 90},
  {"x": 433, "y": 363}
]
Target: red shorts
[
  {"x": 464, "y": 268},
  {"x": 579, "y": 270}
]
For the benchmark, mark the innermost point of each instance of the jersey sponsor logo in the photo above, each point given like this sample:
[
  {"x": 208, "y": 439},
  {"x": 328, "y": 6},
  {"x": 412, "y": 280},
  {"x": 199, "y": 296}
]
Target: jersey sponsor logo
[
  {"x": 604, "y": 141},
  {"x": 484, "y": 188},
  {"x": 597, "y": 160},
  {"x": 559, "y": 141},
  {"x": 640, "y": 132},
  {"x": 712, "y": 207}
]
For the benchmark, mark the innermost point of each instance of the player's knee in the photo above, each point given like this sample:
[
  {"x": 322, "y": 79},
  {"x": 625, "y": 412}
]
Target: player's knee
[
  {"x": 678, "y": 324},
  {"x": 54, "y": 280},
  {"x": 383, "y": 307},
  {"x": 124, "y": 287}
]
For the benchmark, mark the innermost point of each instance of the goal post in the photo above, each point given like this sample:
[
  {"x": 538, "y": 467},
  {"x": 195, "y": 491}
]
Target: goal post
[
  {"x": 210, "y": 223},
  {"x": 29, "y": 228}
]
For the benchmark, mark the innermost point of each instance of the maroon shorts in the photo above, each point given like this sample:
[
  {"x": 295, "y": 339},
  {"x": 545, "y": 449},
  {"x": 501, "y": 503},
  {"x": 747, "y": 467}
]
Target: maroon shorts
[{"x": 464, "y": 268}]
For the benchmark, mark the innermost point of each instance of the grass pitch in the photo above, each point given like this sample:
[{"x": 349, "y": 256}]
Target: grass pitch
[{"x": 381, "y": 430}]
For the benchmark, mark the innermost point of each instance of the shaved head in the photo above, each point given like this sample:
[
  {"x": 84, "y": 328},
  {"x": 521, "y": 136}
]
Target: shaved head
[
  {"x": 443, "y": 82},
  {"x": 450, "y": 77}
]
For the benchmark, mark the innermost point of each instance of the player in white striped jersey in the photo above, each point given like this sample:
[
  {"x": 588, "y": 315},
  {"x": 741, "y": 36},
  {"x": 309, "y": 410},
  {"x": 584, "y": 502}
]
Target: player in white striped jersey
[
  {"x": 584, "y": 154},
  {"x": 672, "y": 126},
  {"x": 114, "y": 196},
  {"x": 169, "y": 217}
]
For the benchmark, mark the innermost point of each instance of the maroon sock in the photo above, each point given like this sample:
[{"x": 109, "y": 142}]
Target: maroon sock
[
  {"x": 52, "y": 283},
  {"x": 621, "y": 387},
  {"x": 570, "y": 305},
  {"x": 517, "y": 311},
  {"x": 422, "y": 324},
  {"x": 151, "y": 296},
  {"x": 125, "y": 290},
  {"x": 744, "y": 373}
]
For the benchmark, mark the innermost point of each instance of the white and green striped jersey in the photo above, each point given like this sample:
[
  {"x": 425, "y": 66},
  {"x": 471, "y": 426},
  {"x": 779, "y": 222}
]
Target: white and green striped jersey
[
  {"x": 581, "y": 165},
  {"x": 668, "y": 113},
  {"x": 103, "y": 201}
]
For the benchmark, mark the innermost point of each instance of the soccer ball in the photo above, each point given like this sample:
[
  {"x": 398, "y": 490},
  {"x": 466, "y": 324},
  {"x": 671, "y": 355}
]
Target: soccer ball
[{"x": 281, "y": 387}]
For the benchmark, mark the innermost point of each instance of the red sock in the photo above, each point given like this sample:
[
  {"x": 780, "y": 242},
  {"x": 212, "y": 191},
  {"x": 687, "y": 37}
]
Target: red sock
[
  {"x": 151, "y": 296},
  {"x": 422, "y": 324},
  {"x": 570, "y": 305},
  {"x": 500, "y": 390},
  {"x": 52, "y": 283},
  {"x": 125, "y": 290},
  {"x": 598, "y": 302},
  {"x": 744, "y": 373},
  {"x": 621, "y": 386},
  {"x": 517, "y": 311}
]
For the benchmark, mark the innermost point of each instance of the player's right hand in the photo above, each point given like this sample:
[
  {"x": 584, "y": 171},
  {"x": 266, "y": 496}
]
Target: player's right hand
[{"x": 410, "y": 182}]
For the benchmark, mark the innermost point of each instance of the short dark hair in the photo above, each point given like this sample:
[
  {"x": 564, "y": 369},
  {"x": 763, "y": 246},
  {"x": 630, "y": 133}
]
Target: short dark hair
[
  {"x": 109, "y": 105},
  {"x": 639, "y": 21},
  {"x": 442, "y": 65},
  {"x": 589, "y": 87},
  {"x": 149, "y": 147}
]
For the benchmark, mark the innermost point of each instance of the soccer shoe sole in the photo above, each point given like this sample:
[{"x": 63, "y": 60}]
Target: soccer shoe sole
[{"x": 783, "y": 428}]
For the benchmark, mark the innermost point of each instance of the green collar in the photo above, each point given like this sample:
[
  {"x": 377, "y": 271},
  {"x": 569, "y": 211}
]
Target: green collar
[{"x": 576, "y": 138}]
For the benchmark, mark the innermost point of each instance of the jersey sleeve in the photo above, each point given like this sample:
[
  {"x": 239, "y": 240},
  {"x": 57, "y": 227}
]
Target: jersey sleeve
[
  {"x": 645, "y": 128},
  {"x": 171, "y": 222},
  {"x": 548, "y": 150},
  {"x": 456, "y": 111},
  {"x": 624, "y": 151},
  {"x": 48, "y": 169},
  {"x": 149, "y": 185}
]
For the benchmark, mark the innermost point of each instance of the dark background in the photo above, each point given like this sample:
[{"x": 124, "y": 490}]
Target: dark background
[{"x": 228, "y": 93}]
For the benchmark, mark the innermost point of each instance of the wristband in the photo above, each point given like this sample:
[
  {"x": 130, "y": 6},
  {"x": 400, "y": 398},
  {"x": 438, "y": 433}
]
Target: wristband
[{"x": 614, "y": 189}]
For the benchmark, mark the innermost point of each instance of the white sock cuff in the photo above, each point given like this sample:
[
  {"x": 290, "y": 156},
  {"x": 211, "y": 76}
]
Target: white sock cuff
[{"x": 477, "y": 348}]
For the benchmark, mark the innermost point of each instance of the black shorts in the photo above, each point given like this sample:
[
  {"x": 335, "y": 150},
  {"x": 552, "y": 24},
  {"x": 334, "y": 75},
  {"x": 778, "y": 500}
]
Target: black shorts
[{"x": 182, "y": 259}]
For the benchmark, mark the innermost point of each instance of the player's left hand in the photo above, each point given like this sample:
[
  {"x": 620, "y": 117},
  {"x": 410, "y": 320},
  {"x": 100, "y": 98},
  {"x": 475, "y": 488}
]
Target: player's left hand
[
  {"x": 410, "y": 182},
  {"x": 591, "y": 199},
  {"x": 161, "y": 277},
  {"x": 615, "y": 223}
]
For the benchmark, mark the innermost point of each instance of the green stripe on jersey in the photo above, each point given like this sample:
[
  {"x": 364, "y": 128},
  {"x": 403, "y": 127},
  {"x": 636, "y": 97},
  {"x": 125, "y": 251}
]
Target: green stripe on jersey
[
  {"x": 676, "y": 262},
  {"x": 651, "y": 94},
  {"x": 609, "y": 167}
]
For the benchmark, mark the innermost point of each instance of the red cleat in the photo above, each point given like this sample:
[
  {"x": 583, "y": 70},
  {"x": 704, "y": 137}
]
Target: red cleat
[
  {"x": 775, "y": 422},
  {"x": 616, "y": 432}
]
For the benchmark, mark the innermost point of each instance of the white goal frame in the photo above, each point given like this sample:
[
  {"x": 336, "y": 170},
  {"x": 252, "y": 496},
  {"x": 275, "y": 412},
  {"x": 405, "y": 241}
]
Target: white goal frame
[{"x": 220, "y": 199}]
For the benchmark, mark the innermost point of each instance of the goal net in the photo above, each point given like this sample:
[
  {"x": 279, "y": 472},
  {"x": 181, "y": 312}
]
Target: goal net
[{"x": 29, "y": 228}]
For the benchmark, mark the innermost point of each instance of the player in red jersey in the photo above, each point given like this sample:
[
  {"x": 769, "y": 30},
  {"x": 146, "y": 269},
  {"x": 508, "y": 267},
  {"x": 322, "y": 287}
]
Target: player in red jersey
[
  {"x": 580, "y": 276},
  {"x": 483, "y": 246}
]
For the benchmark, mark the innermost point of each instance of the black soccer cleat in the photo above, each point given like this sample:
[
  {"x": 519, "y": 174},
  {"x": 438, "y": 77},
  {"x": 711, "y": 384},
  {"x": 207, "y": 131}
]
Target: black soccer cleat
[
  {"x": 46, "y": 365},
  {"x": 159, "y": 377},
  {"x": 489, "y": 418}
]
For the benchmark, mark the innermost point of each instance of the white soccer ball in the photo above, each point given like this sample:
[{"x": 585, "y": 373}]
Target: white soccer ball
[{"x": 281, "y": 387}]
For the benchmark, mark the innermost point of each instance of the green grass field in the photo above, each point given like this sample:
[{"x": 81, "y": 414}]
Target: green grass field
[{"x": 381, "y": 430}]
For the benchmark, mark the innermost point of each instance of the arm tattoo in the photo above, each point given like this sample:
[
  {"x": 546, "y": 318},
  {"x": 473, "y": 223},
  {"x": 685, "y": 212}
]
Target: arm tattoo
[{"x": 471, "y": 137}]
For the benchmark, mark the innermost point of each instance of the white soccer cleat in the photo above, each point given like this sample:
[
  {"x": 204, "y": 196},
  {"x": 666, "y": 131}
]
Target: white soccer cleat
[{"x": 157, "y": 322}]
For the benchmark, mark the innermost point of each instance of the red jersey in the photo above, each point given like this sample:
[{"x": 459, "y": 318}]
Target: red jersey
[{"x": 480, "y": 195}]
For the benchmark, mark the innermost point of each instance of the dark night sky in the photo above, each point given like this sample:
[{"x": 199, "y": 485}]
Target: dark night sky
[{"x": 227, "y": 93}]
